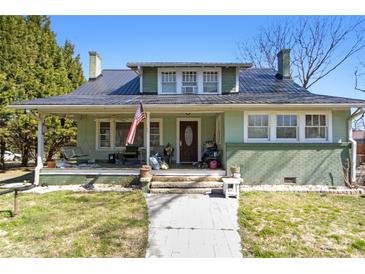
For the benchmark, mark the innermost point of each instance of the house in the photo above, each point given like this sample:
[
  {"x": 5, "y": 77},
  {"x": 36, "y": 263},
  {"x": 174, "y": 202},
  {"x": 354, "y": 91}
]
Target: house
[
  {"x": 260, "y": 118},
  {"x": 359, "y": 137}
]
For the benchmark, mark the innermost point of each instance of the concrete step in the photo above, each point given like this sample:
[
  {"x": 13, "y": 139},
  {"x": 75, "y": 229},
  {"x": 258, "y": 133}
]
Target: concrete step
[
  {"x": 159, "y": 178},
  {"x": 185, "y": 191},
  {"x": 187, "y": 184}
]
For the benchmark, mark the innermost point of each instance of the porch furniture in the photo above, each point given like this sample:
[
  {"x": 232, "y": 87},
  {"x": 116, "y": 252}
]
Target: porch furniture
[
  {"x": 72, "y": 153},
  {"x": 130, "y": 153},
  {"x": 231, "y": 187}
]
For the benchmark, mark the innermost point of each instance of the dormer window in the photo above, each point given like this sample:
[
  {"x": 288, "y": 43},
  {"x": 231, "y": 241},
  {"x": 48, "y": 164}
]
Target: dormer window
[
  {"x": 185, "y": 80},
  {"x": 210, "y": 81},
  {"x": 189, "y": 82},
  {"x": 168, "y": 82}
]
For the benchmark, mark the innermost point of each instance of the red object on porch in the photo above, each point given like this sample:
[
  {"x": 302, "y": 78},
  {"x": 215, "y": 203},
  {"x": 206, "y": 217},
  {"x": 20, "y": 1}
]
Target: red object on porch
[
  {"x": 139, "y": 117},
  {"x": 213, "y": 164}
]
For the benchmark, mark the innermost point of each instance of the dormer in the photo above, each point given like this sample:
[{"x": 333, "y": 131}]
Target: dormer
[{"x": 166, "y": 78}]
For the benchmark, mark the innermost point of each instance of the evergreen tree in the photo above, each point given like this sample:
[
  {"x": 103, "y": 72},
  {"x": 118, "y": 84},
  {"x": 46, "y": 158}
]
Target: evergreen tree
[{"x": 33, "y": 65}]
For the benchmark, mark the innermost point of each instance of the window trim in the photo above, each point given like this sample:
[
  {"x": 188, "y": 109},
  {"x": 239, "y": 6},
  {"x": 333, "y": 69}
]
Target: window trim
[
  {"x": 112, "y": 122},
  {"x": 199, "y": 75},
  {"x": 300, "y": 125}
]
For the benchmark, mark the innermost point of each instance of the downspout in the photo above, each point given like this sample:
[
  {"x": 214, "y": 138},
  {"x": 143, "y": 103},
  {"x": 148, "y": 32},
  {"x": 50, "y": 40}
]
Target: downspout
[{"x": 357, "y": 112}]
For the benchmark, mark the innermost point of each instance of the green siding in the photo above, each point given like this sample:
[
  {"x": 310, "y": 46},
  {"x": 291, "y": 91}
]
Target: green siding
[
  {"x": 149, "y": 80},
  {"x": 233, "y": 126},
  {"x": 228, "y": 80},
  {"x": 270, "y": 163},
  {"x": 86, "y": 134},
  {"x": 339, "y": 125}
]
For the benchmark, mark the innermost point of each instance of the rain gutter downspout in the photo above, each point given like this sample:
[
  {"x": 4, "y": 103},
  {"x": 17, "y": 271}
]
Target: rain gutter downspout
[{"x": 357, "y": 112}]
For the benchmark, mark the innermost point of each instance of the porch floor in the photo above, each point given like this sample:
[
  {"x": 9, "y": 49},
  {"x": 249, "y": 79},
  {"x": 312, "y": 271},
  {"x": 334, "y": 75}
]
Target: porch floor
[{"x": 109, "y": 169}]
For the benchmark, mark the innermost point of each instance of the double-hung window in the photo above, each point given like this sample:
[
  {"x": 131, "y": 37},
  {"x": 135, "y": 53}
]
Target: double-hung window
[
  {"x": 155, "y": 133},
  {"x": 286, "y": 126},
  {"x": 258, "y": 126},
  {"x": 168, "y": 82},
  {"x": 104, "y": 135},
  {"x": 210, "y": 81},
  {"x": 121, "y": 134},
  {"x": 189, "y": 82},
  {"x": 316, "y": 126}
]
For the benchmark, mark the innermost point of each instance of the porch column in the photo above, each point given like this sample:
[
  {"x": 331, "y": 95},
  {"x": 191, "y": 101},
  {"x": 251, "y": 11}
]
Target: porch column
[
  {"x": 40, "y": 149},
  {"x": 148, "y": 138}
]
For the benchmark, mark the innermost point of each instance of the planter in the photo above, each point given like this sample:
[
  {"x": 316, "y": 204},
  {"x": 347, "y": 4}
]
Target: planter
[
  {"x": 145, "y": 171},
  {"x": 51, "y": 164},
  {"x": 235, "y": 169}
]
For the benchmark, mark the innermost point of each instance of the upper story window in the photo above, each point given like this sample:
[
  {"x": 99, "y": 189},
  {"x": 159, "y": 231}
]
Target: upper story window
[
  {"x": 210, "y": 81},
  {"x": 286, "y": 126},
  {"x": 189, "y": 82},
  {"x": 258, "y": 126},
  {"x": 168, "y": 82},
  {"x": 315, "y": 126}
]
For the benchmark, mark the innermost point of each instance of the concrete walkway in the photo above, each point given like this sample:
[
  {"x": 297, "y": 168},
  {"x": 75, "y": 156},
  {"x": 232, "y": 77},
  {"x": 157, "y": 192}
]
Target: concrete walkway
[{"x": 192, "y": 226}]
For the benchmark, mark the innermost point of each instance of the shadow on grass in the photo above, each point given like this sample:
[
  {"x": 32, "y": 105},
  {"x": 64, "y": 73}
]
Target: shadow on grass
[{"x": 20, "y": 179}]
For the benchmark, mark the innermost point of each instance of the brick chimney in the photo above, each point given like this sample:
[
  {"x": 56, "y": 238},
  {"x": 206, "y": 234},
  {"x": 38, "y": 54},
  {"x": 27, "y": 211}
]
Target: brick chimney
[
  {"x": 283, "y": 64},
  {"x": 94, "y": 65}
]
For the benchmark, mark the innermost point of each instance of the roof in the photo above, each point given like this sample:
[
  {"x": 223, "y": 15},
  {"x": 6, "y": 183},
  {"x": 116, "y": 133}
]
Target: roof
[
  {"x": 257, "y": 86},
  {"x": 135, "y": 65}
]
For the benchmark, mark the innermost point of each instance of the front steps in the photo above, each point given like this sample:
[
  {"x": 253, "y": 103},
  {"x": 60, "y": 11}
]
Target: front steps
[{"x": 186, "y": 184}]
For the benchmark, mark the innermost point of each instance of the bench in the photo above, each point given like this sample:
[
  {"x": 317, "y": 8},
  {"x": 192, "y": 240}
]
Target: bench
[{"x": 231, "y": 187}]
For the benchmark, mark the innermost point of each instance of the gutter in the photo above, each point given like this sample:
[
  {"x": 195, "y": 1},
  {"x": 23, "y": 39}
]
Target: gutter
[{"x": 357, "y": 113}]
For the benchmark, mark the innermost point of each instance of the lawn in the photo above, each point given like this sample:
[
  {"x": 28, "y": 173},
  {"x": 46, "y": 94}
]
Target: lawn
[
  {"x": 68, "y": 224},
  {"x": 301, "y": 225}
]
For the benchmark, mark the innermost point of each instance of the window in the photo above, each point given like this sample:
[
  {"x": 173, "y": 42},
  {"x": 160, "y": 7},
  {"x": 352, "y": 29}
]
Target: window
[
  {"x": 258, "y": 126},
  {"x": 210, "y": 81},
  {"x": 168, "y": 82},
  {"x": 189, "y": 82},
  {"x": 155, "y": 134},
  {"x": 121, "y": 134},
  {"x": 286, "y": 126},
  {"x": 104, "y": 134},
  {"x": 315, "y": 126}
]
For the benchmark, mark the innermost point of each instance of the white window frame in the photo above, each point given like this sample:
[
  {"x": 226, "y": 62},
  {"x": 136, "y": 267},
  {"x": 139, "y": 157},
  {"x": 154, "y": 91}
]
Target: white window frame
[
  {"x": 199, "y": 76},
  {"x": 275, "y": 127},
  {"x": 160, "y": 77},
  {"x": 113, "y": 122},
  {"x": 300, "y": 124},
  {"x": 216, "y": 82},
  {"x": 160, "y": 122},
  {"x": 245, "y": 131},
  {"x": 329, "y": 130}
]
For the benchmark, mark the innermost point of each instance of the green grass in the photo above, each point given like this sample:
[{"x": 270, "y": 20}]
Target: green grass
[
  {"x": 301, "y": 225},
  {"x": 67, "y": 224}
]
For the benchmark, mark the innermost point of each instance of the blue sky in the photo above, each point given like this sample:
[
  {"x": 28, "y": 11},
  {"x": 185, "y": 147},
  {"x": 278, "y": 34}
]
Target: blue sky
[{"x": 120, "y": 39}]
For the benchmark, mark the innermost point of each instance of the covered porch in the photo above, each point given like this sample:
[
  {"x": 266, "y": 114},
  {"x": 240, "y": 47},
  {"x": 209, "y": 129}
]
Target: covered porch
[{"x": 101, "y": 136}]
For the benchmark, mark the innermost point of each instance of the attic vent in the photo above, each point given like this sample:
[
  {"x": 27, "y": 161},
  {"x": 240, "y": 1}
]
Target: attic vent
[{"x": 290, "y": 180}]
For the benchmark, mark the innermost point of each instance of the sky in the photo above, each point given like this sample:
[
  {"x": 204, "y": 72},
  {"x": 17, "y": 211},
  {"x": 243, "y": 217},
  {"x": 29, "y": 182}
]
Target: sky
[{"x": 122, "y": 39}]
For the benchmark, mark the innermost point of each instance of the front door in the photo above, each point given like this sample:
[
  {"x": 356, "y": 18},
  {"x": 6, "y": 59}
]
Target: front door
[{"x": 188, "y": 141}]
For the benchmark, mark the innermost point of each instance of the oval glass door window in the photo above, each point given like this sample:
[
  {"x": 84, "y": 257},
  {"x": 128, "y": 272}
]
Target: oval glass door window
[{"x": 188, "y": 136}]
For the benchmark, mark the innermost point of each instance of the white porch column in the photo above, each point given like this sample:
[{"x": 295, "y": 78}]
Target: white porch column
[
  {"x": 148, "y": 138},
  {"x": 40, "y": 149}
]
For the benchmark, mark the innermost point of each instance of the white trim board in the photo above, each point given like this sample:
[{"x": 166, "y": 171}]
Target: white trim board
[{"x": 177, "y": 148}]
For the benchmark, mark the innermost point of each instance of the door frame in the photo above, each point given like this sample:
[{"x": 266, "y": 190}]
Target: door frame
[{"x": 177, "y": 149}]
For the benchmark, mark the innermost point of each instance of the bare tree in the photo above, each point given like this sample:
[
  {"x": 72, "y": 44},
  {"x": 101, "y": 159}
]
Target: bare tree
[
  {"x": 359, "y": 78},
  {"x": 319, "y": 45}
]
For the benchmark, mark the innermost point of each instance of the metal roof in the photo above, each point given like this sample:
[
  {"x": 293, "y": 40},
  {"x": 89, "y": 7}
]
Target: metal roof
[
  {"x": 257, "y": 86},
  {"x": 135, "y": 65}
]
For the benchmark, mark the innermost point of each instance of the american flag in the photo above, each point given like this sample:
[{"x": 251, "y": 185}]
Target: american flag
[{"x": 139, "y": 117}]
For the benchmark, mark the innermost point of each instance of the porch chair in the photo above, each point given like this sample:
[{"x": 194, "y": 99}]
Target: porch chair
[
  {"x": 130, "y": 153},
  {"x": 72, "y": 153}
]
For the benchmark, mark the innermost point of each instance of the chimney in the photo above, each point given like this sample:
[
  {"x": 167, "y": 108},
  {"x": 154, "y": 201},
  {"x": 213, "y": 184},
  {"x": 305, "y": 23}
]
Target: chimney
[
  {"x": 283, "y": 64},
  {"x": 94, "y": 65}
]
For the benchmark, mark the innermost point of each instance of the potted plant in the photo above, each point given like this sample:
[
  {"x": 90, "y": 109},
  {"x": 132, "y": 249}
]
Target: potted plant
[
  {"x": 145, "y": 171},
  {"x": 50, "y": 162},
  {"x": 236, "y": 170}
]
